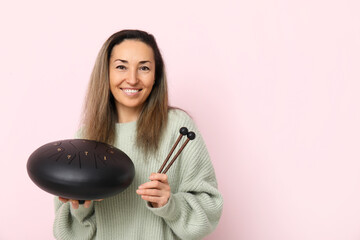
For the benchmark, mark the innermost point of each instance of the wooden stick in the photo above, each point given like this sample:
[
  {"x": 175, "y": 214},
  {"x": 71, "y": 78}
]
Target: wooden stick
[
  {"x": 171, "y": 152},
  {"x": 183, "y": 131},
  {"x": 177, "y": 154}
]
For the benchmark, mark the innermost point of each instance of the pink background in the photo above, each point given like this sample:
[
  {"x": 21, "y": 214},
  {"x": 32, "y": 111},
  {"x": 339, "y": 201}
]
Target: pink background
[{"x": 273, "y": 86}]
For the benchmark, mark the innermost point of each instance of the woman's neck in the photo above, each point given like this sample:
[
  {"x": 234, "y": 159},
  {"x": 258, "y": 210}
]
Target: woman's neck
[{"x": 128, "y": 114}]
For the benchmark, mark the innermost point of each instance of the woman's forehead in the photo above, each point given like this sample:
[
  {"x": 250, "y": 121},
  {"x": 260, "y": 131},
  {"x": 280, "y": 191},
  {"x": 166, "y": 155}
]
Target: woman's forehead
[{"x": 132, "y": 50}]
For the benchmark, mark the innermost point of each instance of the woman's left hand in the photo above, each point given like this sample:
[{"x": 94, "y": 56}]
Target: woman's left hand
[{"x": 157, "y": 191}]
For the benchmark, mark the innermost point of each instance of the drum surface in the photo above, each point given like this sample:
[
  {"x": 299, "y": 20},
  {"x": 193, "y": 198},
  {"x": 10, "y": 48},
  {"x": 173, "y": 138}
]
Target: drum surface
[{"x": 80, "y": 169}]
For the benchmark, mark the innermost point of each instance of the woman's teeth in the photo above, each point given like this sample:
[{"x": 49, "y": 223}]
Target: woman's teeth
[{"x": 131, "y": 90}]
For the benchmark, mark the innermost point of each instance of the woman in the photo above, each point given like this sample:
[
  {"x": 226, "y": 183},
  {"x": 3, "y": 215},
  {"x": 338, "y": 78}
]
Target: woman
[{"x": 127, "y": 106}]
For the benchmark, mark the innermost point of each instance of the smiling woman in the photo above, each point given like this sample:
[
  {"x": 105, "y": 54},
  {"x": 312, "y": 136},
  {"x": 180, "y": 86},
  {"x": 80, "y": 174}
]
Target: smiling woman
[
  {"x": 123, "y": 61},
  {"x": 127, "y": 106}
]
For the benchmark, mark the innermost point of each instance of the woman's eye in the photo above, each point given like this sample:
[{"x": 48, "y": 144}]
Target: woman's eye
[
  {"x": 144, "y": 68},
  {"x": 121, "y": 67}
]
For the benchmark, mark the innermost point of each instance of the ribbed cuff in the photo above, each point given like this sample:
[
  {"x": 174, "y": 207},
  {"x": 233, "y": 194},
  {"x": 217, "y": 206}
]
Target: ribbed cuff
[
  {"x": 82, "y": 213},
  {"x": 170, "y": 211}
]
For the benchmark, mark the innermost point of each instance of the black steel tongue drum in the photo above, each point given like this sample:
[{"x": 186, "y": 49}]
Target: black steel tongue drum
[{"x": 80, "y": 169}]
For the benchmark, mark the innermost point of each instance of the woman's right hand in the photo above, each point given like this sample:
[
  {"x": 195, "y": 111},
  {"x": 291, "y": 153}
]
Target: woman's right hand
[{"x": 75, "y": 203}]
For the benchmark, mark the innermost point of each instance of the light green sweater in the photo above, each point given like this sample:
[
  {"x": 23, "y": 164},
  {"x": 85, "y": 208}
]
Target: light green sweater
[{"x": 192, "y": 212}]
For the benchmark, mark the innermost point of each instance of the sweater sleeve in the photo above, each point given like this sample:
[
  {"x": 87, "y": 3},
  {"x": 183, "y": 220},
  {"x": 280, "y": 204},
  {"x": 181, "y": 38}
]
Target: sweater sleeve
[
  {"x": 194, "y": 210},
  {"x": 74, "y": 223}
]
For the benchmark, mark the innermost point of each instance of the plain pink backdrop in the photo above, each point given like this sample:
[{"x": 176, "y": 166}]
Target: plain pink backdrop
[{"x": 273, "y": 86}]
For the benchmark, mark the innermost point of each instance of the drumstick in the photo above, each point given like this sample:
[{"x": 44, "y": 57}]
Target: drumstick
[
  {"x": 191, "y": 136},
  {"x": 183, "y": 131}
]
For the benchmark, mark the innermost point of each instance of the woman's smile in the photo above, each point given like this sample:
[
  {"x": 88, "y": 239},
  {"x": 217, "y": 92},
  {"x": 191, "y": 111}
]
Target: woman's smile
[{"x": 131, "y": 91}]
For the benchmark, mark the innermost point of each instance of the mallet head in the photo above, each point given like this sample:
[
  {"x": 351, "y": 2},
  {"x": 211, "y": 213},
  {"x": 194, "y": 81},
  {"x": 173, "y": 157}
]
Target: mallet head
[{"x": 191, "y": 135}]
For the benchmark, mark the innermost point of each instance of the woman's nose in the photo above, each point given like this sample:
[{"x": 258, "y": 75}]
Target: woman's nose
[{"x": 132, "y": 77}]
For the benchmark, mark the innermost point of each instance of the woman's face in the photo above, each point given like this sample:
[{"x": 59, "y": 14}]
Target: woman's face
[{"x": 132, "y": 74}]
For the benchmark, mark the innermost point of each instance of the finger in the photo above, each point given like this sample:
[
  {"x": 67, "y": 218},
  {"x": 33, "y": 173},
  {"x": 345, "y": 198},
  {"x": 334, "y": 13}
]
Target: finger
[
  {"x": 159, "y": 177},
  {"x": 75, "y": 204},
  {"x": 161, "y": 201},
  {"x": 155, "y": 184},
  {"x": 87, "y": 203},
  {"x": 149, "y": 192},
  {"x": 64, "y": 200}
]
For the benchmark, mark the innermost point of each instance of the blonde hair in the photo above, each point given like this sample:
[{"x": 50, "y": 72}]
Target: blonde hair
[{"x": 100, "y": 114}]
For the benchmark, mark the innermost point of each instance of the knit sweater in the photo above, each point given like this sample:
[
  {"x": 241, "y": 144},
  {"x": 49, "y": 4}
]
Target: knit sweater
[{"x": 192, "y": 211}]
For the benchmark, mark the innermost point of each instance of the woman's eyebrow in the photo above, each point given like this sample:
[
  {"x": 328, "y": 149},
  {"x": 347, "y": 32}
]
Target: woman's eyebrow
[{"x": 125, "y": 61}]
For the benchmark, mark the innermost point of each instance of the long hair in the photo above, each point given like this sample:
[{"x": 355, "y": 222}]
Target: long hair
[{"x": 100, "y": 114}]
